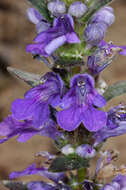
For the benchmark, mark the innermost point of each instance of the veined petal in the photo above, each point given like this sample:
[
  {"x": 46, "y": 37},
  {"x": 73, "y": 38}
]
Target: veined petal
[
  {"x": 69, "y": 119},
  {"x": 99, "y": 100},
  {"x": 94, "y": 119},
  {"x": 41, "y": 114},
  {"x": 23, "y": 108}
]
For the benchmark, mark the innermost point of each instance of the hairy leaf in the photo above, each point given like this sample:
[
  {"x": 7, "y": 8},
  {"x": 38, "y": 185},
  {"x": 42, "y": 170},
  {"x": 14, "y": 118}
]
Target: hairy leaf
[
  {"x": 30, "y": 78},
  {"x": 114, "y": 90}
]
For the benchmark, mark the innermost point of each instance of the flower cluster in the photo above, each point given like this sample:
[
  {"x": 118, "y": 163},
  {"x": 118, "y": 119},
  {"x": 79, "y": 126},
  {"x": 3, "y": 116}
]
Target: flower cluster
[{"x": 68, "y": 103}]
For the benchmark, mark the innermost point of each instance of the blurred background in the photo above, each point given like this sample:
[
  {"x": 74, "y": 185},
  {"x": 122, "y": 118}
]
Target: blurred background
[{"x": 15, "y": 33}]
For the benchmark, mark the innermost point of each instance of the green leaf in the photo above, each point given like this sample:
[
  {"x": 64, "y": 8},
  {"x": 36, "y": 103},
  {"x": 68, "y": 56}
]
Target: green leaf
[
  {"x": 41, "y": 5},
  {"x": 30, "y": 78},
  {"x": 114, "y": 90},
  {"x": 95, "y": 6},
  {"x": 66, "y": 163}
]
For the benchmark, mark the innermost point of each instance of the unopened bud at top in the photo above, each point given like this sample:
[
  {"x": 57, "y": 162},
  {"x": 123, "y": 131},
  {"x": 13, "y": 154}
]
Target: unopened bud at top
[
  {"x": 77, "y": 9},
  {"x": 56, "y": 7},
  {"x": 104, "y": 15},
  {"x": 94, "y": 33}
]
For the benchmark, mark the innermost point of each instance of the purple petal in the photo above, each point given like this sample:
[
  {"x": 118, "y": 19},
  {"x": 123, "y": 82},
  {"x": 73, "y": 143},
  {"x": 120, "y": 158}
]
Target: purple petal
[
  {"x": 69, "y": 119},
  {"x": 72, "y": 38},
  {"x": 99, "y": 100},
  {"x": 34, "y": 16},
  {"x": 106, "y": 133},
  {"x": 40, "y": 186},
  {"x": 42, "y": 26},
  {"x": 23, "y": 108},
  {"x": 54, "y": 44},
  {"x": 97, "y": 119},
  {"x": 87, "y": 78},
  {"x": 41, "y": 114},
  {"x": 32, "y": 170}
]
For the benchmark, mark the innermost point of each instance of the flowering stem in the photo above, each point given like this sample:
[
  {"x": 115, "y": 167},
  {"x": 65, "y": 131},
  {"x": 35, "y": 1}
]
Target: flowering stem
[{"x": 81, "y": 176}]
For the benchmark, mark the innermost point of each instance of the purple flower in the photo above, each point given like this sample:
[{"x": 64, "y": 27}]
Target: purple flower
[
  {"x": 48, "y": 41},
  {"x": 40, "y": 186},
  {"x": 104, "y": 15},
  {"x": 94, "y": 33},
  {"x": 79, "y": 104},
  {"x": 116, "y": 125},
  {"x": 35, "y": 105},
  {"x": 45, "y": 186},
  {"x": 86, "y": 151},
  {"x": 77, "y": 9},
  {"x": 118, "y": 183},
  {"x": 57, "y": 7},
  {"x": 42, "y": 171},
  {"x": 11, "y": 127},
  {"x": 110, "y": 47},
  {"x": 35, "y": 17},
  {"x": 98, "y": 61}
]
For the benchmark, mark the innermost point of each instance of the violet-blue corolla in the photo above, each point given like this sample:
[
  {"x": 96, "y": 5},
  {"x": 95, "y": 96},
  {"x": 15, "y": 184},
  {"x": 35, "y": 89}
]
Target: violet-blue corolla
[
  {"x": 42, "y": 171},
  {"x": 116, "y": 125},
  {"x": 36, "y": 18},
  {"x": 56, "y": 178},
  {"x": 110, "y": 47},
  {"x": 38, "y": 99},
  {"x": 98, "y": 61},
  {"x": 48, "y": 41},
  {"x": 118, "y": 183},
  {"x": 78, "y": 105},
  {"x": 11, "y": 127}
]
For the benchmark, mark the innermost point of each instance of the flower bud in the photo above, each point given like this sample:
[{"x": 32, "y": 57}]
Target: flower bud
[
  {"x": 68, "y": 149},
  {"x": 77, "y": 9},
  {"x": 34, "y": 16},
  {"x": 104, "y": 15},
  {"x": 56, "y": 7},
  {"x": 86, "y": 151},
  {"x": 94, "y": 33}
]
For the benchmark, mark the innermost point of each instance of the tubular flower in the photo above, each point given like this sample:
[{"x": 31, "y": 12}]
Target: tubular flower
[
  {"x": 38, "y": 99},
  {"x": 116, "y": 125},
  {"x": 48, "y": 41},
  {"x": 11, "y": 127},
  {"x": 118, "y": 183},
  {"x": 78, "y": 105}
]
